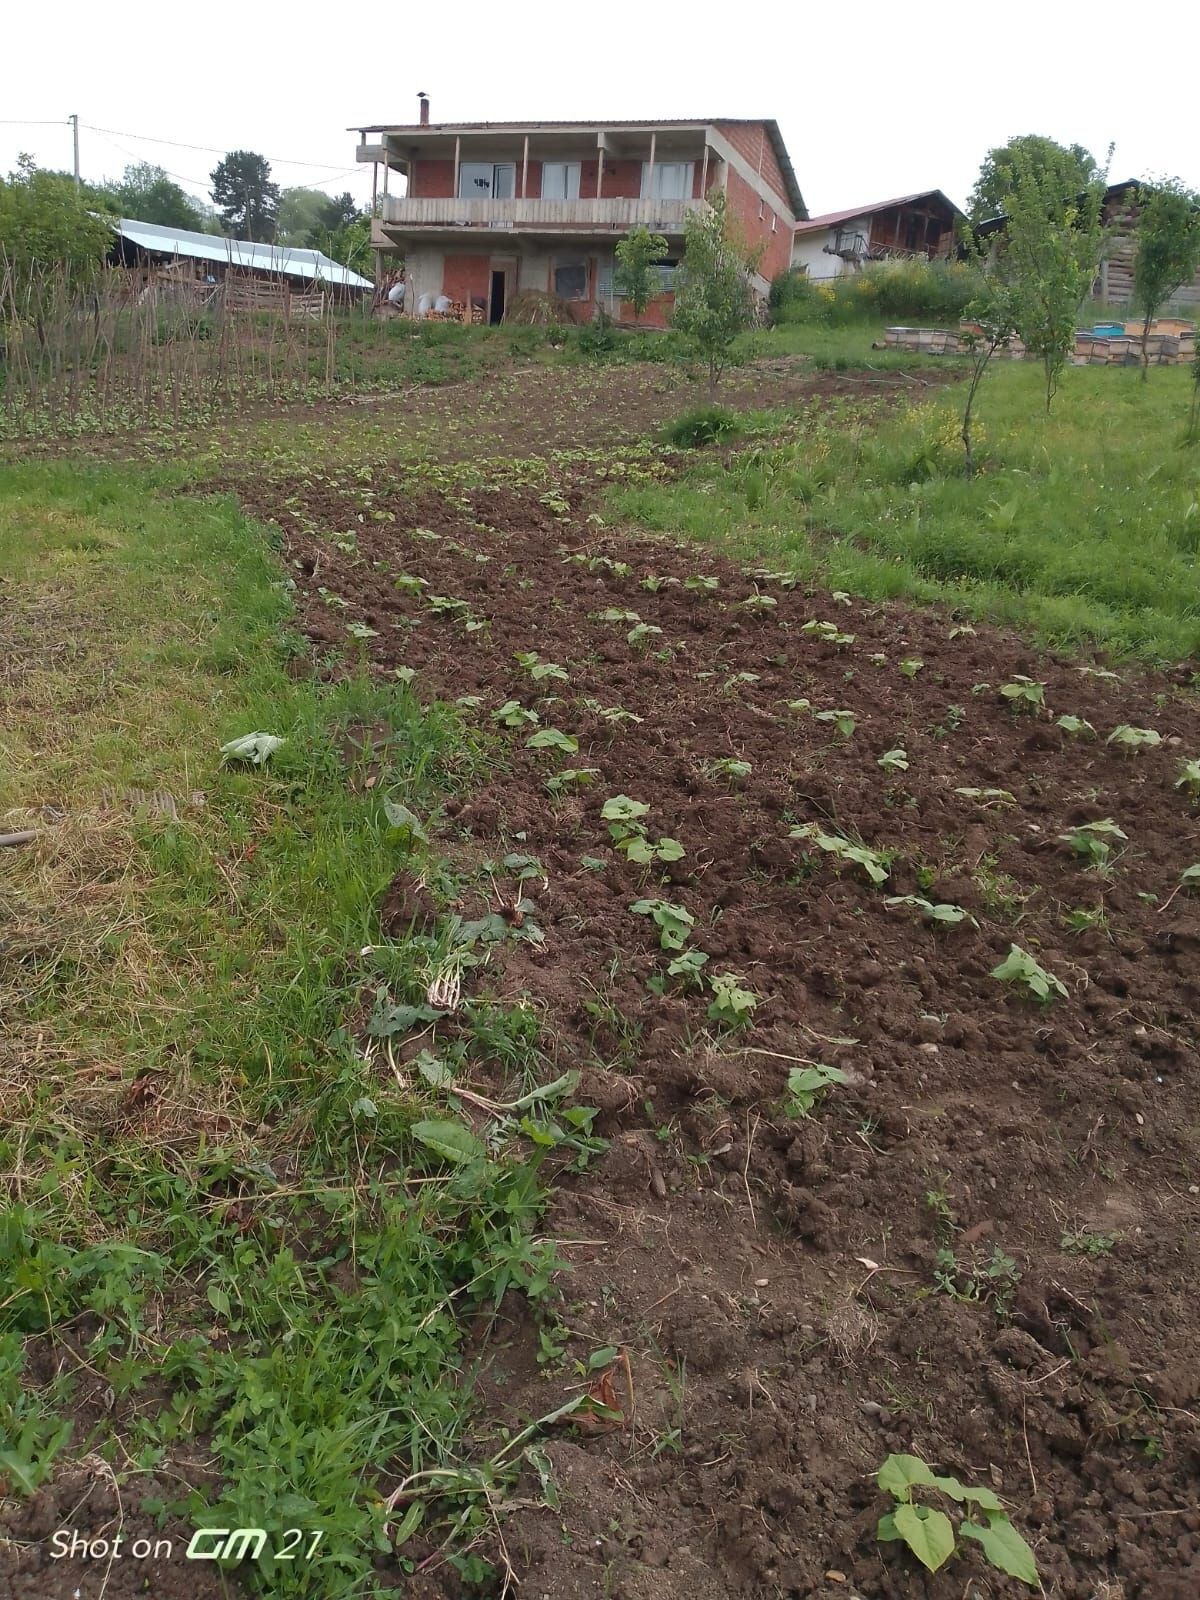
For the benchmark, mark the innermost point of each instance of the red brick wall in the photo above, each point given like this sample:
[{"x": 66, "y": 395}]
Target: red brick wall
[
  {"x": 465, "y": 276},
  {"x": 744, "y": 205},
  {"x": 753, "y": 143},
  {"x": 432, "y": 180}
]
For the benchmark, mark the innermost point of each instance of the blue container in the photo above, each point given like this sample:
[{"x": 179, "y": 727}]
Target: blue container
[{"x": 1109, "y": 330}]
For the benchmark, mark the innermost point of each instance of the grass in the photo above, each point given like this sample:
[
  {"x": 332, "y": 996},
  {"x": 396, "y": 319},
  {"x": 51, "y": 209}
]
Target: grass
[
  {"x": 215, "y": 1202},
  {"x": 1082, "y": 530}
]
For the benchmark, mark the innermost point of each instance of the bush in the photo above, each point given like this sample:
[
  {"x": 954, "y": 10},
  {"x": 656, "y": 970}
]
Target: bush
[
  {"x": 886, "y": 291},
  {"x": 700, "y": 426}
]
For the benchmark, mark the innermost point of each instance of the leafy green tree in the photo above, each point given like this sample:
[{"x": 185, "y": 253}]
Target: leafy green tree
[
  {"x": 308, "y": 219},
  {"x": 1071, "y": 165},
  {"x": 1048, "y": 255},
  {"x": 714, "y": 301},
  {"x": 147, "y": 194},
  {"x": 1166, "y": 249},
  {"x": 636, "y": 278},
  {"x": 350, "y": 245},
  {"x": 991, "y": 319},
  {"x": 244, "y": 195},
  {"x": 47, "y": 228}
]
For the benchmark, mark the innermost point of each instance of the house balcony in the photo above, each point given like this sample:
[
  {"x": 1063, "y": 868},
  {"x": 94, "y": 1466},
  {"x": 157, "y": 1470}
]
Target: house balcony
[{"x": 431, "y": 217}]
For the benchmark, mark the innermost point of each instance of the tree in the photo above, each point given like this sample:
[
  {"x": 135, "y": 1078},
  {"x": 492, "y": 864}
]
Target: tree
[
  {"x": 714, "y": 301},
  {"x": 636, "y": 277},
  {"x": 147, "y": 194},
  {"x": 245, "y": 196},
  {"x": 1074, "y": 165},
  {"x": 308, "y": 219},
  {"x": 1166, "y": 250},
  {"x": 991, "y": 319},
  {"x": 1048, "y": 255},
  {"x": 47, "y": 228}
]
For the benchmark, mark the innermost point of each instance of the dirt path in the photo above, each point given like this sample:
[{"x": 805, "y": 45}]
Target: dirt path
[{"x": 981, "y": 1246}]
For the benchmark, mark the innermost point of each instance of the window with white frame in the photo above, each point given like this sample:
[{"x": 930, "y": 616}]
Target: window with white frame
[
  {"x": 669, "y": 180},
  {"x": 487, "y": 180},
  {"x": 571, "y": 277},
  {"x": 560, "y": 180}
]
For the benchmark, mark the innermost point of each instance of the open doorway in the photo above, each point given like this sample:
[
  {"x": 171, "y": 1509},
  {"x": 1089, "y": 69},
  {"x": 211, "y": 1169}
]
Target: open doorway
[{"x": 496, "y": 305}]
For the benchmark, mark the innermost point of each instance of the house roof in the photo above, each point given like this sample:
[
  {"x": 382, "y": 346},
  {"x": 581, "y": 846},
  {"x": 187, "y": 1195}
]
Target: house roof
[
  {"x": 794, "y": 197},
  {"x": 832, "y": 218},
  {"x": 281, "y": 259}
]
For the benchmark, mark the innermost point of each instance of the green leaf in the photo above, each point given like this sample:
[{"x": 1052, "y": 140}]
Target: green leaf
[
  {"x": 602, "y": 1358},
  {"x": 253, "y": 747},
  {"x": 449, "y": 1139},
  {"x": 928, "y": 1534},
  {"x": 899, "y": 1472},
  {"x": 409, "y": 1524},
  {"x": 1004, "y": 1547},
  {"x": 399, "y": 816}
]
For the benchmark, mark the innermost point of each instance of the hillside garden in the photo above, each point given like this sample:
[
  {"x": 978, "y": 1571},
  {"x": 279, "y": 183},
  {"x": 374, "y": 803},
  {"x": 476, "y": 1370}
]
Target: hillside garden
[{"x": 609, "y": 1009}]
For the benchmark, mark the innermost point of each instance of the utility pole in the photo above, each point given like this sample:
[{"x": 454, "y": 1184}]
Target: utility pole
[{"x": 73, "y": 119}]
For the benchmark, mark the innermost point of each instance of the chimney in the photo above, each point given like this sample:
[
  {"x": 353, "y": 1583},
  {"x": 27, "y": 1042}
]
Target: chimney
[{"x": 423, "y": 99}]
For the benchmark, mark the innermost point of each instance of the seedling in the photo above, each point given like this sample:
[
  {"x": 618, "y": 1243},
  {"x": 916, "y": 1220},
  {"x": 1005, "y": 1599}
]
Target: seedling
[
  {"x": 1134, "y": 739},
  {"x": 1079, "y": 726},
  {"x": 942, "y": 914},
  {"x": 700, "y": 584},
  {"x": 844, "y": 721},
  {"x": 874, "y": 864},
  {"x": 1024, "y": 694},
  {"x": 911, "y": 665},
  {"x": 931, "y": 1535},
  {"x": 727, "y": 767},
  {"x": 962, "y": 630},
  {"x": 688, "y": 966},
  {"x": 512, "y": 714},
  {"x": 894, "y": 760},
  {"x": 758, "y": 602},
  {"x": 571, "y": 778},
  {"x": 361, "y": 630},
  {"x": 444, "y": 605},
  {"x": 1189, "y": 878},
  {"x": 1019, "y": 967},
  {"x": 406, "y": 581},
  {"x": 806, "y": 1085},
  {"x": 1189, "y": 780},
  {"x": 613, "y": 714},
  {"x": 731, "y": 1003},
  {"x": 654, "y": 583},
  {"x": 615, "y": 614},
  {"x": 735, "y": 681},
  {"x": 1083, "y": 1242},
  {"x": 674, "y": 923},
  {"x": 540, "y": 670},
  {"x": 1090, "y": 841},
  {"x": 1083, "y": 919},
  {"x": 638, "y": 636},
  {"x": 552, "y": 739},
  {"x": 624, "y": 818}
]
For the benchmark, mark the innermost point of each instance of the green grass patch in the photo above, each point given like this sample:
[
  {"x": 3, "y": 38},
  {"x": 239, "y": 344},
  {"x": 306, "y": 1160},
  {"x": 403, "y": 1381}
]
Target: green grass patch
[
  {"x": 263, "y": 1235},
  {"x": 1083, "y": 529}
]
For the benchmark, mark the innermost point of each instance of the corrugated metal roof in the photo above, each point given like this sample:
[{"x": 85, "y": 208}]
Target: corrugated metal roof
[
  {"x": 794, "y": 196},
  {"x": 308, "y": 265},
  {"x": 832, "y": 218}
]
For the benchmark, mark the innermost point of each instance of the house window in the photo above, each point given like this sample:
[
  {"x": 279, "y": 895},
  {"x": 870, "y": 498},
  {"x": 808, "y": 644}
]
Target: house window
[
  {"x": 560, "y": 180},
  {"x": 571, "y": 278},
  {"x": 670, "y": 180},
  {"x": 666, "y": 275},
  {"x": 487, "y": 180}
]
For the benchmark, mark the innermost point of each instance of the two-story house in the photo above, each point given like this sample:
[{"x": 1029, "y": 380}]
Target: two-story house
[{"x": 493, "y": 209}]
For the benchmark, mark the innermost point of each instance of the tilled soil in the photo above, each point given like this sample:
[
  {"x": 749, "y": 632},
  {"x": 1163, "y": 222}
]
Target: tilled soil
[{"x": 775, "y": 1278}]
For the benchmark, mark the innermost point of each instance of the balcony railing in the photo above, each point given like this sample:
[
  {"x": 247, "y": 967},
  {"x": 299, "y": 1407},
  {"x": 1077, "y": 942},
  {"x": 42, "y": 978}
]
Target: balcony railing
[{"x": 565, "y": 215}]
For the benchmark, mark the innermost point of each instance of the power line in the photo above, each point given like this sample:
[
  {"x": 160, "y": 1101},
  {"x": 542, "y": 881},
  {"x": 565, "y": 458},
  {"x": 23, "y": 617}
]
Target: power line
[
  {"x": 211, "y": 149},
  {"x": 25, "y": 122}
]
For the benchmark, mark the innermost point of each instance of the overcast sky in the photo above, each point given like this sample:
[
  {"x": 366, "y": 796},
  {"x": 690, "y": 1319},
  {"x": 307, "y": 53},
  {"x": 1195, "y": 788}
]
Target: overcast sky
[{"x": 873, "y": 99}]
